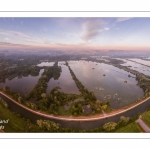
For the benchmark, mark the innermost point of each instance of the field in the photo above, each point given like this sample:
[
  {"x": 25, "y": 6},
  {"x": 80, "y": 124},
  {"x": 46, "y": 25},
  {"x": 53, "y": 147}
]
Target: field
[
  {"x": 130, "y": 128},
  {"x": 16, "y": 123},
  {"x": 146, "y": 117}
]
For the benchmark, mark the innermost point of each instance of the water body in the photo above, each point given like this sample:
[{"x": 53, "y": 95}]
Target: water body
[
  {"x": 138, "y": 67},
  {"x": 22, "y": 85},
  {"x": 110, "y": 87},
  {"x": 65, "y": 81},
  {"x": 79, "y": 124},
  {"x": 42, "y": 64},
  {"x": 144, "y": 62}
]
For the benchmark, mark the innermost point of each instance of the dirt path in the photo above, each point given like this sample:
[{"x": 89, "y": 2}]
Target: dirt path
[{"x": 143, "y": 125}]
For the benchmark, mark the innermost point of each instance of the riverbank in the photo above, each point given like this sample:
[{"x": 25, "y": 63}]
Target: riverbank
[{"x": 80, "y": 118}]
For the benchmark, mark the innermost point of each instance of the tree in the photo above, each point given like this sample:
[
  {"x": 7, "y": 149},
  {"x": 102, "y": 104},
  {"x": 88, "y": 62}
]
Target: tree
[
  {"x": 3, "y": 102},
  {"x": 123, "y": 120},
  {"x": 43, "y": 95},
  {"x": 104, "y": 107},
  {"x": 97, "y": 102},
  {"x": 48, "y": 125},
  {"x": 110, "y": 126},
  {"x": 20, "y": 99},
  {"x": 40, "y": 123}
]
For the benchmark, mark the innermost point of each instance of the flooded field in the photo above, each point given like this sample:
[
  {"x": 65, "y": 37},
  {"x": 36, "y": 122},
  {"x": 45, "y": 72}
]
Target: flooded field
[
  {"x": 22, "y": 85},
  {"x": 107, "y": 82},
  {"x": 65, "y": 81},
  {"x": 136, "y": 66},
  {"x": 42, "y": 64},
  {"x": 144, "y": 62}
]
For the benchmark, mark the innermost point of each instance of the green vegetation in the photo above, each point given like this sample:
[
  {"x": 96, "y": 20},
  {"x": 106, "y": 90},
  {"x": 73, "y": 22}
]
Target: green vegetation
[
  {"x": 23, "y": 64},
  {"x": 61, "y": 110},
  {"x": 123, "y": 121},
  {"x": 16, "y": 123},
  {"x": 125, "y": 124},
  {"x": 38, "y": 92},
  {"x": 105, "y": 106},
  {"x": 54, "y": 102},
  {"x": 89, "y": 97},
  {"x": 110, "y": 126},
  {"x": 3, "y": 102},
  {"x": 59, "y": 99},
  {"x": 86, "y": 94},
  {"x": 130, "y": 128},
  {"x": 15, "y": 95},
  {"x": 146, "y": 117},
  {"x": 48, "y": 125},
  {"x": 16, "y": 67}
]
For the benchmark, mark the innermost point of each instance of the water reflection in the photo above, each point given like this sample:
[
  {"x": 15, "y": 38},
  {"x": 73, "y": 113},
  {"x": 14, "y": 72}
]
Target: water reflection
[
  {"x": 42, "y": 64},
  {"x": 110, "y": 87},
  {"x": 138, "y": 67},
  {"x": 65, "y": 81},
  {"x": 22, "y": 85}
]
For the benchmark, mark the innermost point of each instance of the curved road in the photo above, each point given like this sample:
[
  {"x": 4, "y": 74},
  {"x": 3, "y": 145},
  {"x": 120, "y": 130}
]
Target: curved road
[{"x": 80, "y": 118}]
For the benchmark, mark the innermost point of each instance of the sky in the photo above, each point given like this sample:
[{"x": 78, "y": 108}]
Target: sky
[{"x": 74, "y": 33}]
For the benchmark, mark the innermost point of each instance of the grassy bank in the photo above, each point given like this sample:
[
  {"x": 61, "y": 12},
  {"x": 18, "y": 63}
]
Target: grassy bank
[
  {"x": 130, "y": 128},
  {"x": 146, "y": 117},
  {"x": 16, "y": 123}
]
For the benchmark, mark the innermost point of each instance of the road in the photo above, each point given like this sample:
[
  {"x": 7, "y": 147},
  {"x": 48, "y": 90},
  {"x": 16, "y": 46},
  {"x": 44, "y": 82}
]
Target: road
[{"x": 78, "y": 118}]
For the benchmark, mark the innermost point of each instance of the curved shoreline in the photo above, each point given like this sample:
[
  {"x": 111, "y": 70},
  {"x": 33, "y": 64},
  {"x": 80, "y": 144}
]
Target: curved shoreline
[{"x": 79, "y": 118}]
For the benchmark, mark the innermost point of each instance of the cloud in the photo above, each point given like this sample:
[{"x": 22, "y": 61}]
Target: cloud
[
  {"x": 106, "y": 29},
  {"x": 91, "y": 28},
  {"x": 4, "y": 43},
  {"x": 32, "y": 41},
  {"x": 120, "y": 19},
  {"x": 13, "y": 33},
  {"x": 7, "y": 39},
  {"x": 61, "y": 44},
  {"x": 69, "y": 34},
  {"x": 10, "y": 44}
]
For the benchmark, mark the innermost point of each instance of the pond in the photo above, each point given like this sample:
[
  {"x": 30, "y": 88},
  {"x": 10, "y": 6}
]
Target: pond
[
  {"x": 144, "y": 62},
  {"x": 42, "y": 64},
  {"x": 65, "y": 81},
  {"x": 136, "y": 66},
  {"x": 22, "y": 85},
  {"x": 107, "y": 82}
]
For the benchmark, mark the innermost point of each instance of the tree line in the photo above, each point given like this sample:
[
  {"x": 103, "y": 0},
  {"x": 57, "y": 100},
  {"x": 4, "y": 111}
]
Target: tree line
[{"x": 41, "y": 86}]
